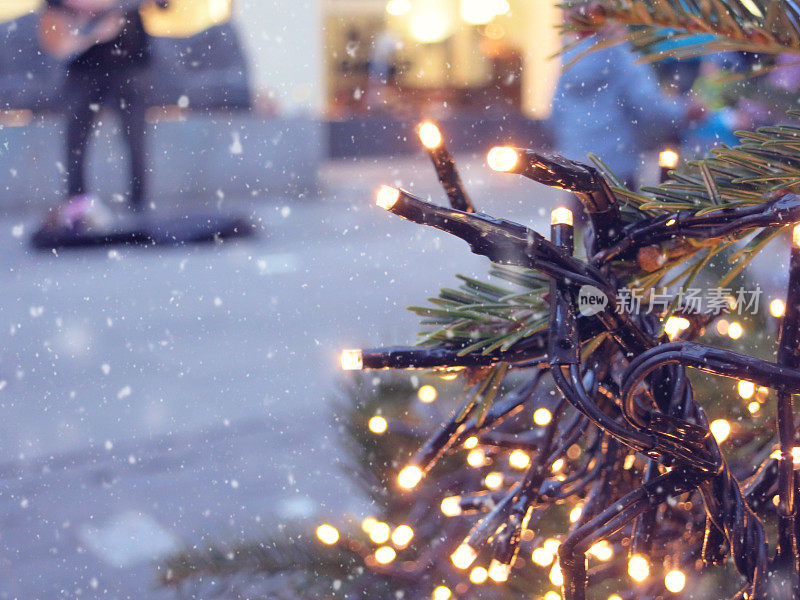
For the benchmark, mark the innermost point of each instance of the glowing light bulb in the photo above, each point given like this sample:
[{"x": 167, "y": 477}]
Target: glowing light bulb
[
  {"x": 638, "y": 568},
  {"x": 498, "y": 571},
  {"x": 429, "y": 135},
  {"x": 668, "y": 159},
  {"x": 795, "y": 455},
  {"x": 384, "y": 555},
  {"x": 493, "y": 480},
  {"x": 722, "y": 327},
  {"x": 409, "y": 477},
  {"x": 551, "y": 545},
  {"x": 754, "y": 407},
  {"x": 476, "y": 458},
  {"x": 367, "y": 524},
  {"x": 675, "y": 581},
  {"x": 377, "y": 424},
  {"x": 602, "y": 550},
  {"x": 519, "y": 460},
  {"x": 542, "y": 416},
  {"x": 675, "y": 325},
  {"x": 478, "y": 575},
  {"x": 614, "y": 597},
  {"x": 735, "y": 331},
  {"x": 426, "y": 394},
  {"x": 558, "y": 464},
  {"x": 387, "y": 197},
  {"x": 561, "y": 216},
  {"x": 542, "y": 557},
  {"x": 352, "y": 360},
  {"x": 441, "y": 592},
  {"x": 720, "y": 429},
  {"x": 379, "y": 532},
  {"x": 327, "y": 534},
  {"x": 796, "y": 235},
  {"x": 451, "y": 506},
  {"x": 470, "y": 442},
  {"x": 464, "y": 556},
  {"x": 556, "y": 576},
  {"x": 402, "y": 536},
  {"x": 398, "y": 7},
  {"x": 746, "y": 389},
  {"x": 502, "y": 158},
  {"x": 551, "y": 595},
  {"x": 629, "y": 461},
  {"x": 477, "y": 12},
  {"x": 777, "y": 307},
  {"x": 575, "y": 514}
]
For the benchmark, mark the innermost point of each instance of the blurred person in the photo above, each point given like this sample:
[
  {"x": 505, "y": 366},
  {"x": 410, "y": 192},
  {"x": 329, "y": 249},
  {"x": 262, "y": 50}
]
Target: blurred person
[
  {"x": 609, "y": 105},
  {"x": 105, "y": 47}
]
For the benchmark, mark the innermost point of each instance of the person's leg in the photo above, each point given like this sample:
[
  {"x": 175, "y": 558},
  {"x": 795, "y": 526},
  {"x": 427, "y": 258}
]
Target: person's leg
[
  {"x": 82, "y": 98},
  {"x": 134, "y": 127}
]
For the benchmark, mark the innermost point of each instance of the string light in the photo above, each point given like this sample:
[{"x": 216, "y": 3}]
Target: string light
[
  {"x": 464, "y": 556},
  {"x": 720, "y": 429},
  {"x": 614, "y": 597},
  {"x": 746, "y": 389},
  {"x": 542, "y": 557},
  {"x": 674, "y": 325},
  {"x": 478, "y": 575},
  {"x": 429, "y": 135},
  {"x": 753, "y": 407},
  {"x": 441, "y": 592},
  {"x": 675, "y": 581},
  {"x": 502, "y": 158},
  {"x": 722, "y": 326},
  {"x": 542, "y": 416},
  {"x": 476, "y": 458},
  {"x": 493, "y": 480},
  {"x": 397, "y": 8},
  {"x": 368, "y": 523},
  {"x": 602, "y": 550},
  {"x": 402, "y": 536},
  {"x": 451, "y": 506},
  {"x": 561, "y": 216},
  {"x": 377, "y": 424},
  {"x": 352, "y": 360},
  {"x": 387, "y": 197},
  {"x": 668, "y": 159},
  {"x": 551, "y": 545},
  {"x": 556, "y": 576},
  {"x": 777, "y": 308},
  {"x": 498, "y": 571},
  {"x": 426, "y": 394},
  {"x": 470, "y": 442},
  {"x": 575, "y": 513},
  {"x": 551, "y": 595},
  {"x": 630, "y": 459},
  {"x": 519, "y": 459},
  {"x": 327, "y": 534},
  {"x": 795, "y": 455},
  {"x": 638, "y": 568},
  {"x": 796, "y": 235},
  {"x": 384, "y": 555},
  {"x": 735, "y": 331},
  {"x": 409, "y": 477},
  {"x": 379, "y": 532},
  {"x": 558, "y": 464}
]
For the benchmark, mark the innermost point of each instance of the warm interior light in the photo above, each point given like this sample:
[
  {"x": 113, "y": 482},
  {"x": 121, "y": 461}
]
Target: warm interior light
[
  {"x": 352, "y": 360},
  {"x": 556, "y": 576},
  {"x": 796, "y": 235},
  {"x": 402, "y": 536},
  {"x": 451, "y": 506},
  {"x": 478, "y": 575},
  {"x": 426, "y": 394},
  {"x": 502, "y": 158},
  {"x": 542, "y": 416},
  {"x": 441, "y": 592},
  {"x": 429, "y": 135},
  {"x": 387, "y": 197},
  {"x": 746, "y": 389},
  {"x": 377, "y": 424},
  {"x": 542, "y": 557},
  {"x": 735, "y": 331},
  {"x": 720, "y": 429},
  {"x": 476, "y": 458},
  {"x": 409, "y": 477},
  {"x": 493, "y": 480},
  {"x": 675, "y": 581},
  {"x": 777, "y": 307},
  {"x": 498, "y": 571},
  {"x": 464, "y": 556},
  {"x": 327, "y": 534},
  {"x": 561, "y": 216},
  {"x": 668, "y": 159},
  {"x": 379, "y": 532},
  {"x": 519, "y": 459},
  {"x": 384, "y": 555},
  {"x": 638, "y": 568}
]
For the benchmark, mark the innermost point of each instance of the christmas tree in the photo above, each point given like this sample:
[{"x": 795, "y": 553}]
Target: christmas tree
[{"x": 587, "y": 446}]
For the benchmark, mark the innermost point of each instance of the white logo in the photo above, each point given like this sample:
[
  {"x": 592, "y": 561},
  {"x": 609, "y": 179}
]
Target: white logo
[{"x": 591, "y": 300}]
